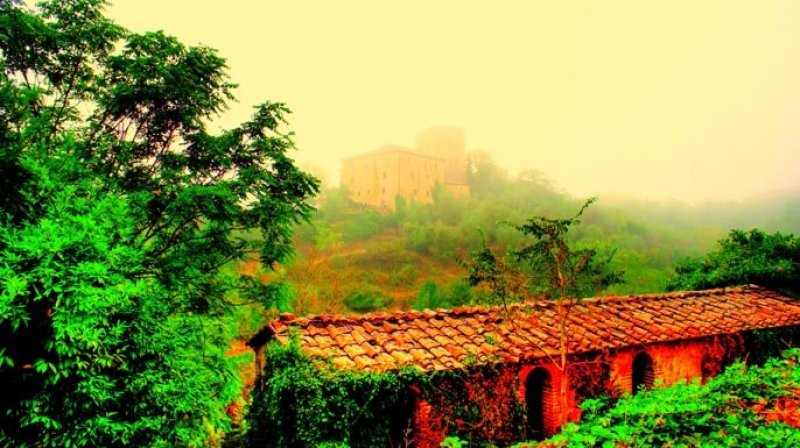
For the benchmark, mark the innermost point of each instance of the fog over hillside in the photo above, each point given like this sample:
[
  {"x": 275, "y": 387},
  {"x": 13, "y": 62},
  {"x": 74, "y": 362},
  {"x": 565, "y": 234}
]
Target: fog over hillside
[{"x": 607, "y": 98}]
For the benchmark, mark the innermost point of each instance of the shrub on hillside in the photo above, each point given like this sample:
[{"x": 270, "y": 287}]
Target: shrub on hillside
[
  {"x": 366, "y": 301},
  {"x": 406, "y": 274}
]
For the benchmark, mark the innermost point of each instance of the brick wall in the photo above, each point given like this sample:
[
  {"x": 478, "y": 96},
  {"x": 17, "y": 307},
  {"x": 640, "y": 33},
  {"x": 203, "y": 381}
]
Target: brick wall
[{"x": 609, "y": 373}]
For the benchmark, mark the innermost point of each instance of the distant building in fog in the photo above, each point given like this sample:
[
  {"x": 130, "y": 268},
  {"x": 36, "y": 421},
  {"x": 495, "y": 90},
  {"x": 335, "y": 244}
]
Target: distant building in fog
[
  {"x": 447, "y": 142},
  {"x": 378, "y": 177}
]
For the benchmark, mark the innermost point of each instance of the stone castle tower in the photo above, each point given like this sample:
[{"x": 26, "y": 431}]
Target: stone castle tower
[{"x": 448, "y": 144}]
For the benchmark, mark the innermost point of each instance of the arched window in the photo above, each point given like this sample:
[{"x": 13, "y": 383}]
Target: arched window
[
  {"x": 538, "y": 400},
  {"x": 643, "y": 375}
]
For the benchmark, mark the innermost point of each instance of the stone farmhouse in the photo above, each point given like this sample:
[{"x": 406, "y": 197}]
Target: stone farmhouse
[
  {"x": 378, "y": 177},
  {"x": 616, "y": 344}
]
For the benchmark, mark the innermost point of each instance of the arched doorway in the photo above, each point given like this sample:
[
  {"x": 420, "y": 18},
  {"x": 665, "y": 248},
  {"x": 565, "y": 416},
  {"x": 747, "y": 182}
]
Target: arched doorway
[
  {"x": 538, "y": 400},
  {"x": 643, "y": 375}
]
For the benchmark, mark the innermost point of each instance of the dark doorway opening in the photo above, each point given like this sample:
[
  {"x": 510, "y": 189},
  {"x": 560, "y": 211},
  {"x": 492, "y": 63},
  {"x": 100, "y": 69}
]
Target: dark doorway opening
[
  {"x": 538, "y": 400},
  {"x": 402, "y": 420},
  {"x": 643, "y": 373}
]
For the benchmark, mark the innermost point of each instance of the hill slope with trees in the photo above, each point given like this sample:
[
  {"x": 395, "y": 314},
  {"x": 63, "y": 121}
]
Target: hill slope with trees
[{"x": 352, "y": 258}]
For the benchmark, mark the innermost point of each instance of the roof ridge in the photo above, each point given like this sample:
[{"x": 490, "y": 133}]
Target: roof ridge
[{"x": 463, "y": 311}]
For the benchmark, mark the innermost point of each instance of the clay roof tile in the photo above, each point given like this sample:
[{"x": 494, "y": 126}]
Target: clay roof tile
[{"x": 444, "y": 339}]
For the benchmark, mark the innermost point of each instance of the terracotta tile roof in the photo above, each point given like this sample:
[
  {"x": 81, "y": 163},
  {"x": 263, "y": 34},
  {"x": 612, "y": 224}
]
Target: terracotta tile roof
[{"x": 447, "y": 339}]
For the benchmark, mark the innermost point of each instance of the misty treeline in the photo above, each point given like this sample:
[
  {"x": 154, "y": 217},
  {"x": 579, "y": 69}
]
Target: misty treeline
[{"x": 353, "y": 258}]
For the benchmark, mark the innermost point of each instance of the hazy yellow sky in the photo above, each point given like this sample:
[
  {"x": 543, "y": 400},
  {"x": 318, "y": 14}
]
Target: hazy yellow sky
[{"x": 659, "y": 99}]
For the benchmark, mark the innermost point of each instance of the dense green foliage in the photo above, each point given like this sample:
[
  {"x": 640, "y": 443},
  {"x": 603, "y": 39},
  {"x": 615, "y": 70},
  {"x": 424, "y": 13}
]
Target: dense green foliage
[
  {"x": 724, "y": 412},
  {"x": 754, "y": 257},
  {"x": 118, "y": 212},
  {"x": 431, "y": 296},
  {"x": 300, "y": 402},
  {"x": 366, "y": 301}
]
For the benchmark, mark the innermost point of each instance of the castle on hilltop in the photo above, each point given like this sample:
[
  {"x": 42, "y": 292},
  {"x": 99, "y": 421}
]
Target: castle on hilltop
[{"x": 377, "y": 177}]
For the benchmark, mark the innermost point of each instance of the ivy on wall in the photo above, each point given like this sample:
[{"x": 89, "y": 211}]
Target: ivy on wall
[
  {"x": 299, "y": 401},
  {"x": 478, "y": 404},
  {"x": 303, "y": 402}
]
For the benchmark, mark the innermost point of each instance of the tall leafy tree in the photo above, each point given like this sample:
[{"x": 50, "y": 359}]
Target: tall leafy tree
[
  {"x": 563, "y": 274},
  {"x": 745, "y": 257},
  {"x": 118, "y": 210},
  {"x": 551, "y": 268}
]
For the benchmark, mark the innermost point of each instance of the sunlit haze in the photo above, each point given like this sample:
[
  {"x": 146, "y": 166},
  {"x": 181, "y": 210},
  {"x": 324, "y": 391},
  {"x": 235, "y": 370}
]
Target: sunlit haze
[{"x": 669, "y": 100}]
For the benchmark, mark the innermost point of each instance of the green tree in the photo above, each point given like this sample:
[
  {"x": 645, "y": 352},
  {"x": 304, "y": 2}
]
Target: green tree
[
  {"x": 366, "y": 301},
  {"x": 459, "y": 293},
  {"x": 118, "y": 211},
  {"x": 551, "y": 269},
  {"x": 483, "y": 175},
  {"x": 754, "y": 257},
  {"x": 563, "y": 274},
  {"x": 429, "y": 297}
]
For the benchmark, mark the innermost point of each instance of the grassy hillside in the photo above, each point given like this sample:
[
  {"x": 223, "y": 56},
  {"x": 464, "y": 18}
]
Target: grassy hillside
[{"x": 353, "y": 259}]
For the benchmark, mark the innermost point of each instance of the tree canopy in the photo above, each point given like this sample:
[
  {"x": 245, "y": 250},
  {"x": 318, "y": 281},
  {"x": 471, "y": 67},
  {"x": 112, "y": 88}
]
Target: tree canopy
[
  {"x": 547, "y": 264},
  {"x": 118, "y": 212},
  {"x": 745, "y": 257}
]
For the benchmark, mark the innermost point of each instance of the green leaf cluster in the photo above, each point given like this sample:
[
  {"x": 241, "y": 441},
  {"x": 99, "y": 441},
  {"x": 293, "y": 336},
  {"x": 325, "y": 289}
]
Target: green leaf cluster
[
  {"x": 302, "y": 402},
  {"x": 430, "y": 296},
  {"x": 745, "y": 257},
  {"x": 366, "y": 301},
  {"x": 118, "y": 211}
]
